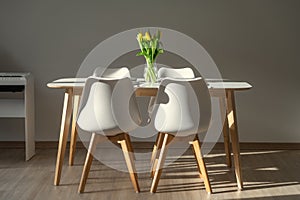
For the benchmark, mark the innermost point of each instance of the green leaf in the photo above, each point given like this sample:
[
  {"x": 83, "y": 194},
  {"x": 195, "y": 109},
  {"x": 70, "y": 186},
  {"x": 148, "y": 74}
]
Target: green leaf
[
  {"x": 140, "y": 53},
  {"x": 160, "y": 51}
]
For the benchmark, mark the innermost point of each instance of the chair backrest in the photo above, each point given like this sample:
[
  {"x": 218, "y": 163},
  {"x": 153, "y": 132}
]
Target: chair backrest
[
  {"x": 112, "y": 72},
  {"x": 182, "y": 107},
  {"x": 165, "y": 72},
  {"x": 175, "y": 73},
  {"x": 108, "y": 106}
]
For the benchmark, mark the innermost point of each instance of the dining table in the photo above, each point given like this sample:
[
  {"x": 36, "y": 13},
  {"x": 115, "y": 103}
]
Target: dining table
[{"x": 220, "y": 88}]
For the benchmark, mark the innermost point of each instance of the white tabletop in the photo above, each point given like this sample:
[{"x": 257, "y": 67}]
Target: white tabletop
[{"x": 213, "y": 84}]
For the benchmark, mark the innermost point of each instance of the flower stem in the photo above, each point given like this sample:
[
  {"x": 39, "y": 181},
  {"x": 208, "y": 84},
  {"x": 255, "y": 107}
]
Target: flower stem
[{"x": 151, "y": 75}]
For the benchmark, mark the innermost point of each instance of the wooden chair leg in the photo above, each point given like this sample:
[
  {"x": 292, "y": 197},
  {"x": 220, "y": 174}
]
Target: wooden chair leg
[
  {"x": 88, "y": 162},
  {"x": 130, "y": 148},
  {"x": 73, "y": 138},
  {"x": 129, "y": 161},
  {"x": 160, "y": 163},
  {"x": 156, "y": 149},
  {"x": 198, "y": 166},
  {"x": 201, "y": 164}
]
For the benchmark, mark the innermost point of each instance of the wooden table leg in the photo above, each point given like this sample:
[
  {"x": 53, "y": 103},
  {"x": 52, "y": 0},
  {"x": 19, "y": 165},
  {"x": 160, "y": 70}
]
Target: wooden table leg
[
  {"x": 232, "y": 122},
  {"x": 73, "y": 139},
  {"x": 222, "y": 104},
  {"x": 64, "y": 131}
]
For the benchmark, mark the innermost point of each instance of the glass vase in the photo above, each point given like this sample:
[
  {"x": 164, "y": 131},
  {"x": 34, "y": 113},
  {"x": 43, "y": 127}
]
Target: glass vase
[{"x": 150, "y": 72}]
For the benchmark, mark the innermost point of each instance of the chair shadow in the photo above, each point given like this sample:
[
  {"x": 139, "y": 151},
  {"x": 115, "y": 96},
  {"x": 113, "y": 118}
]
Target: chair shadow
[
  {"x": 281, "y": 197},
  {"x": 261, "y": 169},
  {"x": 222, "y": 178}
]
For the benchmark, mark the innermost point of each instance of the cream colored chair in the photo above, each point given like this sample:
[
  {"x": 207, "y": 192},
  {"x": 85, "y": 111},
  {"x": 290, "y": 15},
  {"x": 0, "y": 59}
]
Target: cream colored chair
[
  {"x": 182, "y": 110},
  {"x": 175, "y": 73},
  {"x": 164, "y": 72},
  {"x": 109, "y": 110},
  {"x": 121, "y": 72}
]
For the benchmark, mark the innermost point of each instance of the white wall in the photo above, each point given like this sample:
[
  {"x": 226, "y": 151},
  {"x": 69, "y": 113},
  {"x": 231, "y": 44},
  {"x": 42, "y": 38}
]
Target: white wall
[{"x": 253, "y": 40}]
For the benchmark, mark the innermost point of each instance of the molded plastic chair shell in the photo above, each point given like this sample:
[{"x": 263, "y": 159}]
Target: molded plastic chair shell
[
  {"x": 122, "y": 72},
  {"x": 182, "y": 107},
  {"x": 165, "y": 72},
  {"x": 108, "y": 106},
  {"x": 175, "y": 73}
]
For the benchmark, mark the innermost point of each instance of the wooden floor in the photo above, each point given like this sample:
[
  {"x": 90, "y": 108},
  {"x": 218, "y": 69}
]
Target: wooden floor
[{"x": 268, "y": 174}]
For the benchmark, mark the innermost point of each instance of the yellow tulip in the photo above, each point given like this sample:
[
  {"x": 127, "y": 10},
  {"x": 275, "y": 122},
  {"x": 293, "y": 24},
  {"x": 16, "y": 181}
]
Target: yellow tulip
[
  {"x": 147, "y": 36},
  {"x": 158, "y": 34},
  {"x": 139, "y": 36}
]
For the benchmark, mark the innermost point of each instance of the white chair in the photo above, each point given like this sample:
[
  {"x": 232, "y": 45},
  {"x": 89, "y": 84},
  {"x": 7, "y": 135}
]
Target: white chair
[
  {"x": 108, "y": 110},
  {"x": 182, "y": 110},
  {"x": 164, "y": 72},
  {"x": 184, "y": 73},
  {"x": 121, "y": 72},
  {"x": 175, "y": 73}
]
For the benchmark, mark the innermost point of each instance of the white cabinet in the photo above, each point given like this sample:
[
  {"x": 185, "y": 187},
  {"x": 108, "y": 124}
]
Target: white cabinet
[{"x": 19, "y": 107}]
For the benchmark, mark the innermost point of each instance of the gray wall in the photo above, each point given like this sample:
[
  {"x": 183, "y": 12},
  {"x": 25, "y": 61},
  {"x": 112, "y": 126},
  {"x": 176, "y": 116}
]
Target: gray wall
[{"x": 257, "y": 41}]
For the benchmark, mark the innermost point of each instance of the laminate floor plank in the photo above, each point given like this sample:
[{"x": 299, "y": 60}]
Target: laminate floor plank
[{"x": 267, "y": 174}]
